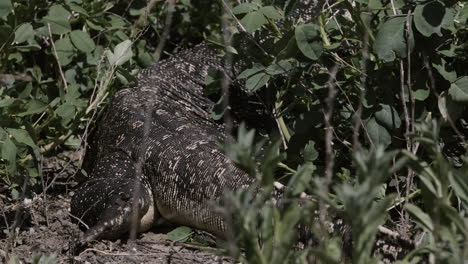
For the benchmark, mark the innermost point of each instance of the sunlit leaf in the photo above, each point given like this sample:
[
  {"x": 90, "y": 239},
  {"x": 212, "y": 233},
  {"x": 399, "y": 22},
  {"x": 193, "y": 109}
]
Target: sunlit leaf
[
  {"x": 308, "y": 40},
  {"x": 82, "y": 41},
  {"x": 390, "y": 41},
  {"x": 459, "y": 89},
  {"x": 58, "y": 18},
  {"x": 180, "y": 234}
]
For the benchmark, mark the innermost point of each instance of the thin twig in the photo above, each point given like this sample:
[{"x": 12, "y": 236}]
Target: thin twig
[
  {"x": 329, "y": 157},
  {"x": 57, "y": 58}
]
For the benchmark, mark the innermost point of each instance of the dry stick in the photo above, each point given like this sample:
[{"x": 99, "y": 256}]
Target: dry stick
[
  {"x": 358, "y": 121},
  {"x": 134, "y": 221},
  {"x": 409, "y": 122},
  {"x": 17, "y": 77},
  {"x": 166, "y": 31},
  {"x": 329, "y": 157},
  {"x": 226, "y": 81},
  {"x": 57, "y": 58}
]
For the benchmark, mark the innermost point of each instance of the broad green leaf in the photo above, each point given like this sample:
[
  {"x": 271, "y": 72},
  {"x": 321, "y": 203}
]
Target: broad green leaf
[
  {"x": 5, "y": 7},
  {"x": 78, "y": 9},
  {"x": 58, "y": 18},
  {"x": 7, "y": 101},
  {"x": 390, "y": 41},
  {"x": 244, "y": 8},
  {"x": 310, "y": 153},
  {"x": 463, "y": 15},
  {"x": 34, "y": 107},
  {"x": 443, "y": 68},
  {"x": 9, "y": 151},
  {"x": 257, "y": 81},
  {"x": 66, "y": 111},
  {"x": 179, "y": 234},
  {"x": 82, "y": 41},
  {"x": 122, "y": 53},
  {"x": 388, "y": 116},
  {"x": 257, "y": 67},
  {"x": 253, "y": 21},
  {"x": 24, "y": 33},
  {"x": 22, "y": 136},
  {"x": 428, "y": 18},
  {"x": 421, "y": 94},
  {"x": 279, "y": 68},
  {"x": 420, "y": 217},
  {"x": 378, "y": 133},
  {"x": 270, "y": 12},
  {"x": 308, "y": 40},
  {"x": 65, "y": 50},
  {"x": 459, "y": 90}
]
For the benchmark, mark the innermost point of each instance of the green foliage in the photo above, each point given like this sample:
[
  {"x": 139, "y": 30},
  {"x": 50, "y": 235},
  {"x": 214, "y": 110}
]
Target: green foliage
[
  {"x": 397, "y": 63},
  {"x": 60, "y": 61}
]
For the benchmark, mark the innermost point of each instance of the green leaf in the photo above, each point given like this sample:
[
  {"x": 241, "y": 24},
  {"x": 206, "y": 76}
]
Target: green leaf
[
  {"x": 9, "y": 151},
  {"x": 66, "y": 111},
  {"x": 310, "y": 153},
  {"x": 459, "y": 90},
  {"x": 421, "y": 94},
  {"x": 22, "y": 136},
  {"x": 34, "y": 107},
  {"x": 279, "y": 68},
  {"x": 308, "y": 40},
  {"x": 65, "y": 50},
  {"x": 122, "y": 53},
  {"x": 390, "y": 40},
  {"x": 428, "y": 18},
  {"x": 388, "y": 116},
  {"x": 378, "y": 133},
  {"x": 253, "y": 21},
  {"x": 78, "y": 9},
  {"x": 271, "y": 12},
  {"x": 180, "y": 234},
  {"x": 257, "y": 81},
  {"x": 82, "y": 41},
  {"x": 443, "y": 68},
  {"x": 24, "y": 33},
  {"x": 420, "y": 217},
  {"x": 58, "y": 19},
  {"x": 5, "y": 8},
  {"x": 257, "y": 67},
  {"x": 244, "y": 8}
]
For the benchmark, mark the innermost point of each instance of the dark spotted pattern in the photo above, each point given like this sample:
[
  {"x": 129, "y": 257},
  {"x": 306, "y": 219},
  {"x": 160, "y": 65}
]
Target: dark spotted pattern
[{"x": 157, "y": 145}]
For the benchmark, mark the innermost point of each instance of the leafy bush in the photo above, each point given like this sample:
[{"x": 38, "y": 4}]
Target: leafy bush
[
  {"x": 375, "y": 77},
  {"x": 60, "y": 60}
]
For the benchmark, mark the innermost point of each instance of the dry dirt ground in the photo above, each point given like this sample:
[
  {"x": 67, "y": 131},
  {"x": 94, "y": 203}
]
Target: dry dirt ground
[{"x": 45, "y": 233}]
